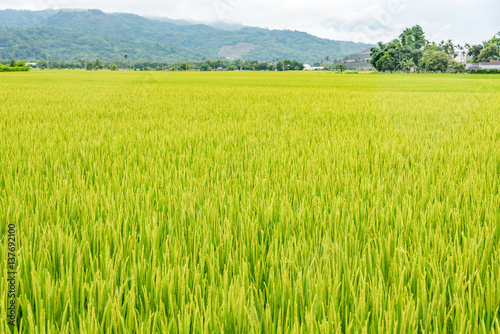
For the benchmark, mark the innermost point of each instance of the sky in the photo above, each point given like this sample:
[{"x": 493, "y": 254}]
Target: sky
[{"x": 463, "y": 21}]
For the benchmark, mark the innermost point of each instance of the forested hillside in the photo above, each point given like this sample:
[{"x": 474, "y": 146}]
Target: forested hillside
[{"x": 69, "y": 34}]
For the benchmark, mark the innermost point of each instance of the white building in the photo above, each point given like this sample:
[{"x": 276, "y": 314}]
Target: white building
[
  {"x": 308, "y": 67},
  {"x": 492, "y": 65},
  {"x": 462, "y": 58}
]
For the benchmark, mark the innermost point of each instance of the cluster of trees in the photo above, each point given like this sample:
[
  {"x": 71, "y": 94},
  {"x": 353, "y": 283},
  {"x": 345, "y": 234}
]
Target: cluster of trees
[
  {"x": 400, "y": 54},
  {"x": 488, "y": 51},
  {"x": 289, "y": 65},
  {"x": 14, "y": 67},
  {"x": 413, "y": 50},
  {"x": 242, "y": 65}
]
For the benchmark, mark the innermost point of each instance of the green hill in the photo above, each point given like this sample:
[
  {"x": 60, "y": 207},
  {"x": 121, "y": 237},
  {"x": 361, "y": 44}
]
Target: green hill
[{"x": 69, "y": 34}]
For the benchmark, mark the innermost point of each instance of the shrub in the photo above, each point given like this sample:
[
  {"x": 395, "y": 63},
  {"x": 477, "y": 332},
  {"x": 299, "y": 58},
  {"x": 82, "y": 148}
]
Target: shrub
[
  {"x": 18, "y": 67},
  {"x": 435, "y": 61},
  {"x": 484, "y": 71},
  {"x": 458, "y": 67}
]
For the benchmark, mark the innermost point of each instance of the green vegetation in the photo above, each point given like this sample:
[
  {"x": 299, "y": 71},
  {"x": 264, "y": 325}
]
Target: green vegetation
[
  {"x": 155, "y": 202},
  {"x": 19, "y": 66},
  {"x": 412, "y": 50},
  {"x": 289, "y": 65},
  {"x": 204, "y": 65},
  {"x": 435, "y": 61},
  {"x": 490, "y": 52},
  {"x": 400, "y": 54},
  {"x": 484, "y": 71},
  {"x": 458, "y": 67},
  {"x": 340, "y": 67},
  {"x": 66, "y": 35}
]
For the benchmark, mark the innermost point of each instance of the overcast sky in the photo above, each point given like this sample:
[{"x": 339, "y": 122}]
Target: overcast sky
[{"x": 366, "y": 21}]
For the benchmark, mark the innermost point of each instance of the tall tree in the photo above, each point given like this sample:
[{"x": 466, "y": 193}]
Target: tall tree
[
  {"x": 97, "y": 64},
  {"x": 400, "y": 51},
  {"x": 491, "y": 52},
  {"x": 413, "y": 37},
  {"x": 495, "y": 40},
  {"x": 385, "y": 63},
  {"x": 474, "y": 52}
]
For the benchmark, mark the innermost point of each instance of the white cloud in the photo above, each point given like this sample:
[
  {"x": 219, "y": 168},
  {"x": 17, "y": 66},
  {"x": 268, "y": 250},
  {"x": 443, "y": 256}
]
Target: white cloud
[{"x": 357, "y": 20}]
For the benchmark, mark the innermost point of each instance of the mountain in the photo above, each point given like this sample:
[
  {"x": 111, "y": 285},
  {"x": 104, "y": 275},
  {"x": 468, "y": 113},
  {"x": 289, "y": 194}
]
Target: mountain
[
  {"x": 216, "y": 24},
  {"x": 69, "y": 34}
]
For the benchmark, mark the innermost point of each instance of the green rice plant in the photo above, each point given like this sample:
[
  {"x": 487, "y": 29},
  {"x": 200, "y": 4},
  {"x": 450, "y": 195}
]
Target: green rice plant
[{"x": 251, "y": 202}]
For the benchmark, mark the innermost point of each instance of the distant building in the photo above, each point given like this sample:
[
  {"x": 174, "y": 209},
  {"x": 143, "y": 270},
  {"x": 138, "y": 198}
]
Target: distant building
[
  {"x": 492, "y": 65},
  {"x": 359, "y": 61},
  {"x": 32, "y": 65},
  {"x": 308, "y": 67},
  {"x": 462, "y": 58}
]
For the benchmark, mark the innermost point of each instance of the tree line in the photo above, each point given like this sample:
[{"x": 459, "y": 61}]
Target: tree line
[
  {"x": 204, "y": 65},
  {"x": 413, "y": 51}
]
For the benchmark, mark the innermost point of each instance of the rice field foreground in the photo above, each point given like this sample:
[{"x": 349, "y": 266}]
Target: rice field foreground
[{"x": 250, "y": 202}]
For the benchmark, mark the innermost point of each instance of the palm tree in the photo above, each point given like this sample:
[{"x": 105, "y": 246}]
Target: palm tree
[
  {"x": 461, "y": 49},
  {"x": 448, "y": 48},
  {"x": 97, "y": 64},
  {"x": 400, "y": 48},
  {"x": 451, "y": 49},
  {"x": 466, "y": 47},
  {"x": 406, "y": 65}
]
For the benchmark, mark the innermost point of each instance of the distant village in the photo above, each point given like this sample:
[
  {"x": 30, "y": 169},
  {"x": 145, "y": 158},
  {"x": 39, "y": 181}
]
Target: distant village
[{"x": 356, "y": 62}]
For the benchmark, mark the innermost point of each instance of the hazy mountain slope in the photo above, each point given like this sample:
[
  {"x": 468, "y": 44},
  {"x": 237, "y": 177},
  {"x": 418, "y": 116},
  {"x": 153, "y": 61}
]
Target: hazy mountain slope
[
  {"x": 101, "y": 35},
  {"x": 64, "y": 44},
  {"x": 24, "y": 18}
]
